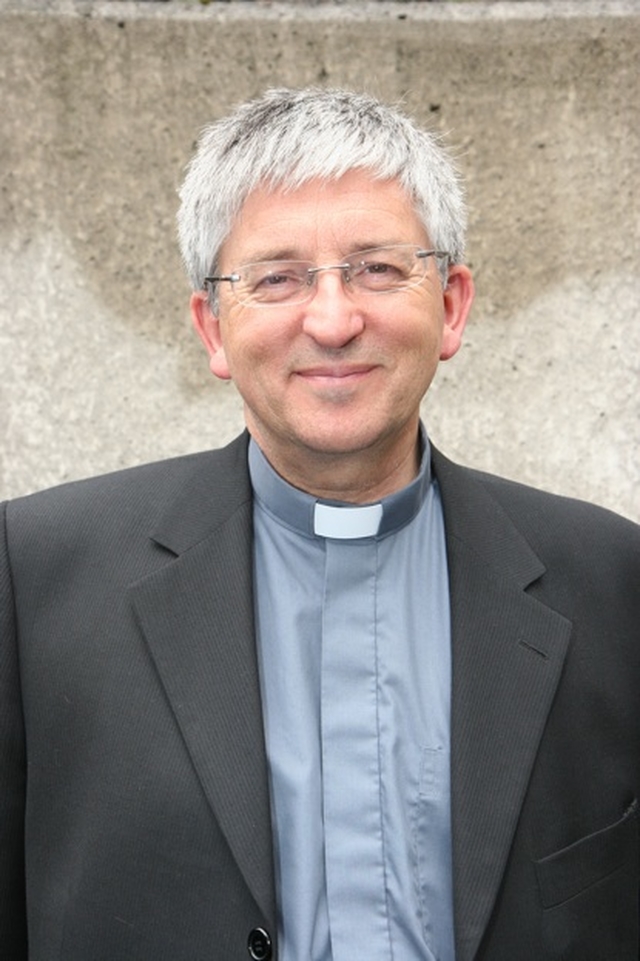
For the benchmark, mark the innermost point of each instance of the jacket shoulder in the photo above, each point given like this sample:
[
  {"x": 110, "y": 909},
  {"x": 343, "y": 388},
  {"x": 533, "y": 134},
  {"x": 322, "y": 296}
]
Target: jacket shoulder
[
  {"x": 531, "y": 506},
  {"x": 543, "y": 513},
  {"x": 588, "y": 549},
  {"x": 133, "y": 499}
]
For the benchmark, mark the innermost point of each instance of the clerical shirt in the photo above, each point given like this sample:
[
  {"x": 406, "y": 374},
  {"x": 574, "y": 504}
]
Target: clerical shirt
[{"x": 353, "y": 630}]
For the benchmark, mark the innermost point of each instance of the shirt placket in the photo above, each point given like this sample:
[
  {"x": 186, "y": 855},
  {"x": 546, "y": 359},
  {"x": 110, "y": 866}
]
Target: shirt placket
[{"x": 353, "y": 823}]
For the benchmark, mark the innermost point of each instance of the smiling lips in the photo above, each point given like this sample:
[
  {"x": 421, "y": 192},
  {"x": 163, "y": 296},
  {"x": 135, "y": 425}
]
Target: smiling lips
[{"x": 333, "y": 373}]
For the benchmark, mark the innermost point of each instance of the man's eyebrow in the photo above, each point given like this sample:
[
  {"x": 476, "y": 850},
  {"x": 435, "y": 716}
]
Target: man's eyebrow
[
  {"x": 373, "y": 245},
  {"x": 289, "y": 253},
  {"x": 275, "y": 253}
]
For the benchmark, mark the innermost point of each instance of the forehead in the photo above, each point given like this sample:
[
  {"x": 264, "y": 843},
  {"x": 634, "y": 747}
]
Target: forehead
[{"x": 354, "y": 210}]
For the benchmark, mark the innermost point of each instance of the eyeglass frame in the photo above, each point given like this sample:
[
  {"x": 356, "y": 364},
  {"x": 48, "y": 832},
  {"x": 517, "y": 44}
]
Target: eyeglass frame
[{"x": 313, "y": 271}]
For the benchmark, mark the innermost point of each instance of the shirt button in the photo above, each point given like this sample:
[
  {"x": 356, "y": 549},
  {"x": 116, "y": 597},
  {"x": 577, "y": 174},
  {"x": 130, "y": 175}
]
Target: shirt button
[{"x": 259, "y": 944}]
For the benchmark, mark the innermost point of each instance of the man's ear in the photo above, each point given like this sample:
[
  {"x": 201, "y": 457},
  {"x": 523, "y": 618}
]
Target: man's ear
[
  {"x": 207, "y": 327},
  {"x": 458, "y": 297}
]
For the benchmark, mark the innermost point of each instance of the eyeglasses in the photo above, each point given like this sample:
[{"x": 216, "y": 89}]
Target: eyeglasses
[{"x": 381, "y": 270}]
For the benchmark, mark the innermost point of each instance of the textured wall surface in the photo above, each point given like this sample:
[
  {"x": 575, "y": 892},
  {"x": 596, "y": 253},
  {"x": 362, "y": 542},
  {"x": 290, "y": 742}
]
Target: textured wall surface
[{"x": 101, "y": 104}]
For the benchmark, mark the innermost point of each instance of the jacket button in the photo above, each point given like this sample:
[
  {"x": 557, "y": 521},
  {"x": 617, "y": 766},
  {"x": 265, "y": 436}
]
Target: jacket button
[{"x": 259, "y": 944}]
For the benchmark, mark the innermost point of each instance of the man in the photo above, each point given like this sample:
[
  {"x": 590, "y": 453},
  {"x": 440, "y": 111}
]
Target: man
[{"x": 321, "y": 694}]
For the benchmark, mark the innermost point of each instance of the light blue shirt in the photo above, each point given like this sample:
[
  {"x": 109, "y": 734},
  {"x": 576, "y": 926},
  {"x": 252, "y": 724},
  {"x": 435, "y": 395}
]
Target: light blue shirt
[{"x": 354, "y": 647}]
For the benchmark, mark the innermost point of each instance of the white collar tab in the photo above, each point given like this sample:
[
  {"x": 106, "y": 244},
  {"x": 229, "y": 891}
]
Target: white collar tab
[{"x": 346, "y": 523}]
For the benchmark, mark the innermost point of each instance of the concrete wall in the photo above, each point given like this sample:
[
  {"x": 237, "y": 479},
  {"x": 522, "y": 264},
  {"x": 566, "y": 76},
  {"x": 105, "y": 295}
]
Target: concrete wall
[{"x": 101, "y": 103}]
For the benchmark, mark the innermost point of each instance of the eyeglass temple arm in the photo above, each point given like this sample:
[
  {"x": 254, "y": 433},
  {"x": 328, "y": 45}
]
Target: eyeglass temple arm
[
  {"x": 432, "y": 253},
  {"x": 233, "y": 278}
]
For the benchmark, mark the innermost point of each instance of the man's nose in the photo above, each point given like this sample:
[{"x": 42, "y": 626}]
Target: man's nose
[{"x": 333, "y": 316}]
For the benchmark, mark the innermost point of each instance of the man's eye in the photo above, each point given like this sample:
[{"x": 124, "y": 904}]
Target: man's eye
[
  {"x": 379, "y": 272},
  {"x": 273, "y": 285},
  {"x": 278, "y": 280},
  {"x": 378, "y": 268}
]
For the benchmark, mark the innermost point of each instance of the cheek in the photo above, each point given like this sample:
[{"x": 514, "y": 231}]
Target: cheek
[
  {"x": 254, "y": 358},
  {"x": 422, "y": 342}
]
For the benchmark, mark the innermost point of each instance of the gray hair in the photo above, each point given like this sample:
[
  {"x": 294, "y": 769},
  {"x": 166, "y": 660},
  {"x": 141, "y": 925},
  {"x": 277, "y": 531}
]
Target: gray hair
[{"x": 287, "y": 137}]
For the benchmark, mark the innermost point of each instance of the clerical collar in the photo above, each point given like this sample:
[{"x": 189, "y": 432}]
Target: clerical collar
[{"x": 314, "y": 517}]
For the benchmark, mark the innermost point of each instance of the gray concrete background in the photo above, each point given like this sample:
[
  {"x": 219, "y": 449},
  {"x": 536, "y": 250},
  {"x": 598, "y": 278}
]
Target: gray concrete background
[{"x": 100, "y": 107}]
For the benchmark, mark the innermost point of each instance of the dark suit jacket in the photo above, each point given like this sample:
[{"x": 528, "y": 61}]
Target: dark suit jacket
[{"x": 134, "y": 809}]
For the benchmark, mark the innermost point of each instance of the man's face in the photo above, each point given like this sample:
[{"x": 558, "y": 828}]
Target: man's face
[{"x": 341, "y": 375}]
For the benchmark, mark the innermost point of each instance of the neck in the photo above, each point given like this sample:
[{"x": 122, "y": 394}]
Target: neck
[{"x": 360, "y": 477}]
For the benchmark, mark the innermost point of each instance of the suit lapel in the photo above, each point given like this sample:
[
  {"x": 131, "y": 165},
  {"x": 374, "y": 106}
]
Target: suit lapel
[
  {"x": 196, "y": 613},
  {"x": 508, "y": 651}
]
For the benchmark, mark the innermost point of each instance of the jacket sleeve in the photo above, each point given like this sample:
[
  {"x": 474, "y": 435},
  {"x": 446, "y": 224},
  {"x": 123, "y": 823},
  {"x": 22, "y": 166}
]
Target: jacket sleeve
[{"x": 13, "y": 928}]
